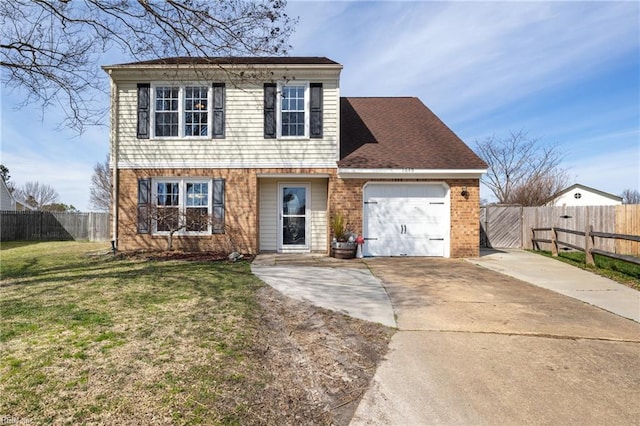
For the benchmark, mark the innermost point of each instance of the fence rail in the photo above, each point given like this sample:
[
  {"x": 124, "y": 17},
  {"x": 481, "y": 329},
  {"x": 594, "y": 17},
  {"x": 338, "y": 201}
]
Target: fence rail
[
  {"x": 52, "y": 226},
  {"x": 588, "y": 248}
]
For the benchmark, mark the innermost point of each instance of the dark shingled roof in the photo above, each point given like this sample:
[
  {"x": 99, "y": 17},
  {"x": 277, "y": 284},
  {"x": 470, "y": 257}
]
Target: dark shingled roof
[
  {"x": 396, "y": 133},
  {"x": 239, "y": 60}
]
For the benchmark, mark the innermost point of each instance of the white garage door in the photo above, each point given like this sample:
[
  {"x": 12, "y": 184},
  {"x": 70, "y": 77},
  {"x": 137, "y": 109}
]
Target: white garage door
[{"x": 406, "y": 220}]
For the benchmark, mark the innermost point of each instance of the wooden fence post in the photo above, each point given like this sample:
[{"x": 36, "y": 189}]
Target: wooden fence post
[
  {"x": 534, "y": 244},
  {"x": 588, "y": 245},
  {"x": 554, "y": 242}
]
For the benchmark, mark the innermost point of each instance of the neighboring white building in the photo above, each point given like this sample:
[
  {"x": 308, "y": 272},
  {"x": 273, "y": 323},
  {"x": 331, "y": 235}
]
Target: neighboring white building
[
  {"x": 581, "y": 195},
  {"x": 7, "y": 202}
]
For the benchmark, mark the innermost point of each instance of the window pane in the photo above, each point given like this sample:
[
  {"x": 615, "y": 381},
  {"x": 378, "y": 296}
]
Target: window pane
[
  {"x": 166, "y": 116},
  {"x": 197, "y": 194},
  {"x": 293, "y": 232},
  {"x": 197, "y": 219},
  {"x": 168, "y": 194},
  {"x": 292, "y": 111},
  {"x": 195, "y": 111},
  {"x": 167, "y": 219},
  {"x": 167, "y": 214}
]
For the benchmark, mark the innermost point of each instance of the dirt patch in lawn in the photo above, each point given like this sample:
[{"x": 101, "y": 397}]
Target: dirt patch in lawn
[{"x": 321, "y": 362}]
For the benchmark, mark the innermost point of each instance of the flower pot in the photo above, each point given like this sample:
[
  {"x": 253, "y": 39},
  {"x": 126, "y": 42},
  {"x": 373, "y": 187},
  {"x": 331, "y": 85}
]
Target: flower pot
[{"x": 346, "y": 250}]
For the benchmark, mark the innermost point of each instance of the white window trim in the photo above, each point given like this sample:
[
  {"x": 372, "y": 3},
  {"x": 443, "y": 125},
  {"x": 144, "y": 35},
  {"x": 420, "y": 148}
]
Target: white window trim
[
  {"x": 181, "y": 103},
  {"x": 182, "y": 204},
  {"x": 307, "y": 108}
]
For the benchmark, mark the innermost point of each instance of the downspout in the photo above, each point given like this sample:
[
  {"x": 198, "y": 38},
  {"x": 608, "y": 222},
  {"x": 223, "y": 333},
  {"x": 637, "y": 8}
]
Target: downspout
[{"x": 114, "y": 161}]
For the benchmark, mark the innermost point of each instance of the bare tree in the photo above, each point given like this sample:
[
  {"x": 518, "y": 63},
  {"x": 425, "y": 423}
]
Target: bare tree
[
  {"x": 101, "y": 186},
  {"x": 51, "y": 48},
  {"x": 36, "y": 194},
  {"x": 522, "y": 170},
  {"x": 630, "y": 196},
  {"x": 170, "y": 219}
]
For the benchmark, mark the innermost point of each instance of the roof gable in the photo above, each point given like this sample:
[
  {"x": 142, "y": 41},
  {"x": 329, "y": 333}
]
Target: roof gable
[
  {"x": 589, "y": 189},
  {"x": 397, "y": 133}
]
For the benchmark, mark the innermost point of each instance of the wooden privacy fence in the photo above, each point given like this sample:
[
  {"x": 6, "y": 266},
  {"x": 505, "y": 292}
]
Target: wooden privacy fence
[
  {"x": 50, "y": 226},
  {"x": 510, "y": 226}
]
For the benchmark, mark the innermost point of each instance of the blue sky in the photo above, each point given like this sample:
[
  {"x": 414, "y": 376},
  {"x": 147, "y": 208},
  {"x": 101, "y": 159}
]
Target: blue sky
[{"x": 567, "y": 72}]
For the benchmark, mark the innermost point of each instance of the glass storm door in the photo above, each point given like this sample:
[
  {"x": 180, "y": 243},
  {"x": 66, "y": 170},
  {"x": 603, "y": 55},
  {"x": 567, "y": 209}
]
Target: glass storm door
[{"x": 294, "y": 223}]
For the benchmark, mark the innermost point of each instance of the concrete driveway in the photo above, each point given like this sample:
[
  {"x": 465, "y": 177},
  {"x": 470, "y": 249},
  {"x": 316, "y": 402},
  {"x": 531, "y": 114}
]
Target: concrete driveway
[{"x": 478, "y": 347}]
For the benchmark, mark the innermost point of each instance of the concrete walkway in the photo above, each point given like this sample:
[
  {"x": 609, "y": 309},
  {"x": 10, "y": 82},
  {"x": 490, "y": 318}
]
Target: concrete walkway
[
  {"x": 564, "y": 279},
  {"x": 346, "y": 287}
]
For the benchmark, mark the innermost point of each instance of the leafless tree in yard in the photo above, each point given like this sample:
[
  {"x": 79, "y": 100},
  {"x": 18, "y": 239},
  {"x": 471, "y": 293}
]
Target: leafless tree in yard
[
  {"x": 630, "y": 196},
  {"x": 51, "y": 49},
  {"x": 522, "y": 170},
  {"x": 36, "y": 194},
  {"x": 171, "y": 219},
  {"x": 101, "y": 186}
]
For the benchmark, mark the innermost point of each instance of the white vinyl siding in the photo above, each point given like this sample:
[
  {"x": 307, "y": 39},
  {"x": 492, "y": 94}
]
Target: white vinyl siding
[
  {"x": 244, "y": 144},
  {"x": 268, "y": 237},
  {"x": 319, "y": 215},
  {"x": 268, "y": 216}
]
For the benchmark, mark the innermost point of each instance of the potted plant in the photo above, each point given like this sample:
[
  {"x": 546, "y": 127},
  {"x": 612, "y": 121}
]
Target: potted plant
[{"x": 343, "y": 244}]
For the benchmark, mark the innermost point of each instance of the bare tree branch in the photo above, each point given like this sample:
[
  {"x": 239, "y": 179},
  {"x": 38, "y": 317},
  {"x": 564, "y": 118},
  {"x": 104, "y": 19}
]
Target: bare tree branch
[
  {"x": 630, "y": 196},
  {"x": 36, "y": 194},
  {"x": 51, "y": 49},
  {"x": 101, "y": 186},
  {"x": 521, "y": 169}
]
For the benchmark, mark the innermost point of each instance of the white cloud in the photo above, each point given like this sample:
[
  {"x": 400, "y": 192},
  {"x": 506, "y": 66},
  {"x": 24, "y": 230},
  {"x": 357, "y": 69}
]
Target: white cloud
[
  {"x": 611, "y": 172},
  {"x": 468, "y": 57}
]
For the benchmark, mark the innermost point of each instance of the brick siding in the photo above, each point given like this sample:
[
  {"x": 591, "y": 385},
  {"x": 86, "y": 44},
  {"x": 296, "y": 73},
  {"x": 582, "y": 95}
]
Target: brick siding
[{"x": 241, "y": 209}]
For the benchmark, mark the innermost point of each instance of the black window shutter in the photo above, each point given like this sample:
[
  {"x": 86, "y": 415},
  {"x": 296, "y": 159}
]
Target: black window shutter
[
  {"x": 270, "y": 110},
  {"x": 144, "y": 111},
  {"x": 144, "y": 204},
  {"x": 315, "y": 119},
  {"x": 218, "y": 110},
  {"x": 218, "y": 206}
]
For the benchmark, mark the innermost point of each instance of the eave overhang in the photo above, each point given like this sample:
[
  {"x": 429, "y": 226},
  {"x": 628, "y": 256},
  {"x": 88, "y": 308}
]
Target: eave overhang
[{"x": 355, "y": 173}]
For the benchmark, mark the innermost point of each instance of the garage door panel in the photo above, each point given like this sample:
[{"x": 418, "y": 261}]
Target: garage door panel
[{"x": 406, "y": 220}]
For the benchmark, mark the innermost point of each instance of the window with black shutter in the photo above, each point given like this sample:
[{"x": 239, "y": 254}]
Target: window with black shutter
[
  {"x": 144, "y": 111},
  {"x": 315, "y": 119},
  {"x": 218, "y": 110},
  {"x": 144, "y": 206},
  {"x": 270, "y": 104}
]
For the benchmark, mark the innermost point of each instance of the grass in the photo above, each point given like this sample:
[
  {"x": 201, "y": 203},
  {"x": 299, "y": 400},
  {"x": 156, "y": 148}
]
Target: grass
[
  {"x": 623, "y": 272},
  {"x": 92, "y": 338}
]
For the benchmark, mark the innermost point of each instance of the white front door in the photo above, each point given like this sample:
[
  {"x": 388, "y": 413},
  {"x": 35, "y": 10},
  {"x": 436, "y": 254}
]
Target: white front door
[{"x": 293, "y": 221}]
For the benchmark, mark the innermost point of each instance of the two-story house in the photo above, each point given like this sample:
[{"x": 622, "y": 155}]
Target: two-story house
[{"x": 267, "y": 148}]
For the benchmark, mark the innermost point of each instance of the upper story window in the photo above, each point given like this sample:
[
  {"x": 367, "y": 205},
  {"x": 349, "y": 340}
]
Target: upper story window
[
  {"x": 181, "y": 111},
  {"x": 293, "y": 110},
  {"x": 166, "y": 111}
]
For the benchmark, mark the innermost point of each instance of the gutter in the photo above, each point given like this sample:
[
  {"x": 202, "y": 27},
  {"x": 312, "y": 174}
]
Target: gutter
[
  {"x": 408, "y": 173},
  {"x": 114, "y": 160}
]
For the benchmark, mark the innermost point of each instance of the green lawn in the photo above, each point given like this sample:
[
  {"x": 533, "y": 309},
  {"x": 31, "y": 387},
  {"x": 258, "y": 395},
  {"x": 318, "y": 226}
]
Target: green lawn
[
  {"x": 89, "y": 338},
  {"x": 623, "y": 272}
]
